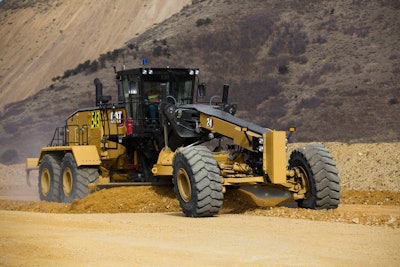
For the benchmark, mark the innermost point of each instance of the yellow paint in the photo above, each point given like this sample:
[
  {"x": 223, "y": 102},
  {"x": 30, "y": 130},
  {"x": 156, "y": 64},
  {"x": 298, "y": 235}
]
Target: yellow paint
[{"x": 274, "y": 158}]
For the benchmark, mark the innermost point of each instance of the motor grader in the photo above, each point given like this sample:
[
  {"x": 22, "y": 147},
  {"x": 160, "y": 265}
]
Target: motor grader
[{"x": 161, "y": 130}]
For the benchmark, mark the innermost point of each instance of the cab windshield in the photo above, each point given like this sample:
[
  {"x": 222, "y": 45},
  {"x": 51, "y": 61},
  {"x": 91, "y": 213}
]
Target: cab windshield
[
  {"x": 178, "y": 88},
  {"x": 144, "y": 89}
]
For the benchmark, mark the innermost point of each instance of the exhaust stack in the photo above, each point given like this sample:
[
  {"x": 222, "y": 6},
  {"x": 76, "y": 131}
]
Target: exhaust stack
[{"x": 100, "y": 98}]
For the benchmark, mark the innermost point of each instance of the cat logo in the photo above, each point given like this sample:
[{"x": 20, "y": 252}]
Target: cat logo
[{"x": 95, "y": 119}]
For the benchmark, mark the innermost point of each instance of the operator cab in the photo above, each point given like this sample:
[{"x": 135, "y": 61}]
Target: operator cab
[{"x": 144, "y": 89}]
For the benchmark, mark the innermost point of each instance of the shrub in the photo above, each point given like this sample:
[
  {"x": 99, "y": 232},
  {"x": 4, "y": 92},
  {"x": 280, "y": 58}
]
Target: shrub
[
  {"x": 57, "y": 78},
  {"x": 309, "y": 79},
  {"x": 134, "y": 46},
  {"x": 393, "y": 101},
  {"x": 288, "y": 39},
  {"x": 68, "y": 73},
  {"x": 157, "y": 51},
  {"x": 12, "y": 5},
  {"x": 300, "y": 59},
  {"x": 307, "y": 103},
  {"x": 297, "y": 44},
  {"x": 391, "y": 3},
  {"x": 314, "y": 78},
  {"x": 323, "y": 92},
  {"x": 87, "y": 67},
  {"x": 319, "y": 40},
  {"x": 201, "y": 22},
  {"x": 312, "y": 102},
  {"x": 273, "y": 87},
  {"x": 357, "y": 68},
  {"x": 328, "y": 68},
  {"x": 360, "y": 32},
  {"x": 161, "y": 48},
  {"x": 276, "y": 47},
  {"x": 329, "y": 25},
  {"x": 283, "y": 69}
]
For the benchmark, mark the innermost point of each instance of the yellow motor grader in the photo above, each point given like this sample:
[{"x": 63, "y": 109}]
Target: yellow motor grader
[{"x": 159, "y": 131}]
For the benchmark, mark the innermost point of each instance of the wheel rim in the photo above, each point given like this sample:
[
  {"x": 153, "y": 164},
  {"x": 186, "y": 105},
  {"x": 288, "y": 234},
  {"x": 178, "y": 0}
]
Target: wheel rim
[
  {"x": 67, "y": 181},
  {"x": 304, "y": 180},
  {"x": 45, "y": 182},
  {"x": 184, "y": 187}
]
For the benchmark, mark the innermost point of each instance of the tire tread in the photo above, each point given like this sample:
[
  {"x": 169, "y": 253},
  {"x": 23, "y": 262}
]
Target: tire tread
[
  {"x": 325, "y": 193},
  {"x": 207, "y": 181}
]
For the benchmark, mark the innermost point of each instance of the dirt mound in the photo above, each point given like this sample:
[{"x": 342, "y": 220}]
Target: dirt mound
[
  {"x": 146, "y": 199},
  {"x": 366, "y": 166}
]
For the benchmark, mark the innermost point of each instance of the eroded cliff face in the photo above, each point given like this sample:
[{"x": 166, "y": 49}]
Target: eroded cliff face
[{"x": 41, "y": 39}]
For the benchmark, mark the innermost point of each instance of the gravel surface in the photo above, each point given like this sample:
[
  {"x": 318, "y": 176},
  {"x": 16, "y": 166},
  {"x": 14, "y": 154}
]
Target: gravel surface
[{"x": 369, "y": 176}]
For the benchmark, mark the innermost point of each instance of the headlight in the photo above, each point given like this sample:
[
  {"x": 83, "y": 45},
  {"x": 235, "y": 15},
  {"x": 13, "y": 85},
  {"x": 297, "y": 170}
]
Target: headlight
[{"x": 258, "y": 144}]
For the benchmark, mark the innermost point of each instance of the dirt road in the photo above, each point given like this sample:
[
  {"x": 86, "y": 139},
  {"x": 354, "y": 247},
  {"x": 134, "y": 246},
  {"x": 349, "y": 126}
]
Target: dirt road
[{"x": 169, "y": 239}]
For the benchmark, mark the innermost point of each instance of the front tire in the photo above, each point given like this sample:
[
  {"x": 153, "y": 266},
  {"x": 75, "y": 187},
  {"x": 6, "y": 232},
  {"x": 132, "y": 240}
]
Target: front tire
[
  {"x": 49, "y": 178},
  {"x": 318, "y": 168},
  {"x": 197, "y": 182},
  {"x": 75, "y": 179}
]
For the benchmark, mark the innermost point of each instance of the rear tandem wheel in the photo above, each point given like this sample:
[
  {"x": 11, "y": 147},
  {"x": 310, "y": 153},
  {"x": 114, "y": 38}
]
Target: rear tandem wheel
[
  {"x": 49, "y": 178},
  {"x": 75, "y": 180}
]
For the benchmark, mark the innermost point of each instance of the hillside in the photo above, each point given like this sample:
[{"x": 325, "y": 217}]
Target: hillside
[
  {"x": 330, "y": 68},
  {"x": 41, "y": 39}
]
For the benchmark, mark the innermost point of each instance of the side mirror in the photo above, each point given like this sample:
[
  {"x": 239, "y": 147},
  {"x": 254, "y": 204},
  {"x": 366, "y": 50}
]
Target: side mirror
[{"x": 201, "y": 90}]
